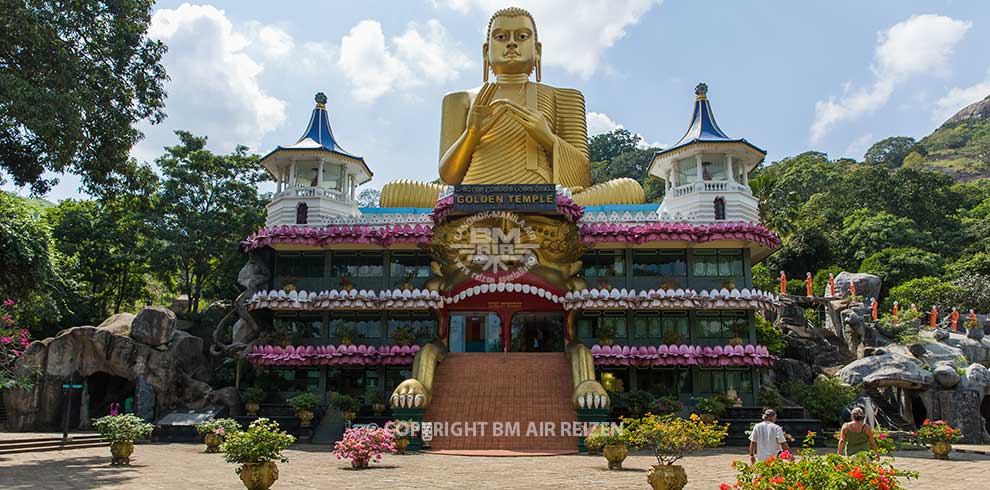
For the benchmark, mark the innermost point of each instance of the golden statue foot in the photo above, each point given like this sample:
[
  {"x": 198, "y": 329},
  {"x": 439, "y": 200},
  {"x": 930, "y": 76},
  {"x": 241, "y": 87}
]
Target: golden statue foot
[
  {"x": 590, "y": 394},
  {"x": 410, "y": 394},
  {"x": 416, "y": 392}
]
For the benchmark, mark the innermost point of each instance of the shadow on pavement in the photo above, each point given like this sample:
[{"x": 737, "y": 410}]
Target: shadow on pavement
[{"x": 83, "y": 472}]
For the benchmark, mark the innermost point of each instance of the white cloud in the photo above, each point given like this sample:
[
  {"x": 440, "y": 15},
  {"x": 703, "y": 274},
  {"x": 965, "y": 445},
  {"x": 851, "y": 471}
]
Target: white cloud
[
  {"x": 918, "y": 46},
  {"x": 213, "y": 88},
  {"x": 574, "y": 34},
  {"x": 423, "y": 53},
  {"x": 959, "y": 97},
  {"x": 599, "y": 123}
]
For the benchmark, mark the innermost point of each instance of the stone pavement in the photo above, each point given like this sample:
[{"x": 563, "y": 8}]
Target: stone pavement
[{"x": 185, "y": 466}]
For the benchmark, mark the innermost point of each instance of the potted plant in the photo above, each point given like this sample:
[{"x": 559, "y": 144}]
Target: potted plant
[
  {"x": 214, "y": 431},
  {"x": 121, "y": 431},
  {"x": 346, "y": 404},
  {"x": 639, "y": 401},
  {"x": 373, "y": 398},
  {"x": 672, "y": 338},
  {"x": 400, "y": 434},
  {"x": 606, "y": 330},
  {"x": 345, "y": 333},
  {"x": 256, "y": 450},
  {"x": 938, "y": 436},
  {"x": 407, "y": 284},
  {"x": 612, "y": 440},
  {"x": 671, "y": 438},
  {"x": 252, "y": 397},
  {"x": 404, "y": 335},
  {"x": 345, "y": 283},
  {"x": 666, "y": 404},
  {"x": 362, "y": 445},
  {"x": 304, "y": 404},
  {"x": 713, "y": 407}
]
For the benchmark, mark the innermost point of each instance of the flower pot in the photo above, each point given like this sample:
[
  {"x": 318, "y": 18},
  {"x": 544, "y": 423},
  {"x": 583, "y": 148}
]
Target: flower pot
[
  {"x": 401, "y": 444},
  {"x": 605, "y": 341},
  {"x": 305, "y": 418},
  {"x": 615, "y": 454},
  {"x": 212, "y": 443},
  {"x": 378, "y": 408},
  {"x": 121, "y": 452},
  {"x": 259, "y": 476},
  {"x": 666, "y": 477},
  {"x": 941, "y": 449},
  {"x": 348, "y": 416},
  {"x": 251, "y": 408}
]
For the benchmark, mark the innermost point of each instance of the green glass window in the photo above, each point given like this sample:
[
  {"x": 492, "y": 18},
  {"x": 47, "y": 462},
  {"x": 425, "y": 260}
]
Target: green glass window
[
  {"x": 720, "y": 380},
  {"x": 296, "y": 380},
  {"x": 412, "y": 266},
  {"x": 422, "y": 323},
  {"x": 302, "y": 270},
  {"x": 721, "y": 325},
  {"x": 717, "y": 263},
  {"x": 357, "y": 326},
  {"x": 664, "y": 381},
  {"x": 358, "y": 264},
  {"x": 655, "y": 263},
  {"x": 603, "y": 264},
  {"x": 297, "y": 327},
  {"x": 602, "y": 324},
  {"x": 670, "y": 327}
]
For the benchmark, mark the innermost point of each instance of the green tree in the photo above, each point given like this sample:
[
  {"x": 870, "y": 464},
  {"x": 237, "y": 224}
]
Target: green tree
[
  {"x": 606, "y": 146},
  {"x": 926, "y": 292},
  {"x": 207, "y": 204},
  {"x": 896, "y": 266},
  {"x": 864, "y": 232},
  {"x": 978, "y": 263},
  {"x": 74, "y": 78},
  {"x": 24, "y": 255},
  {"x": 890, "y": 152}
]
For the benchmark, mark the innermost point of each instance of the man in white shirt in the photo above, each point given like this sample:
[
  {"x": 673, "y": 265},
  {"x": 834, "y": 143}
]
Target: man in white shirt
[{"x": 767, "y": 438}]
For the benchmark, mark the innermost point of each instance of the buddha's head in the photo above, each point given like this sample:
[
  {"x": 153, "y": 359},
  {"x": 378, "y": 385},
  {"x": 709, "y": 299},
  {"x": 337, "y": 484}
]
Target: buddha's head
[{"x": 511, "y": 46}]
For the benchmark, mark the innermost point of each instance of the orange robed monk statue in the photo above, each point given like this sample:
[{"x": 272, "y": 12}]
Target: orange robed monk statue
[
  {"x": 783, "y": 283},
  {"x": 955, "y": 318},
  {"x": 807, "y": 284},
  {"x": 874, "y": 309},
  {"x": 933, "y": 322},
  {"x": 831, "y": 285}
]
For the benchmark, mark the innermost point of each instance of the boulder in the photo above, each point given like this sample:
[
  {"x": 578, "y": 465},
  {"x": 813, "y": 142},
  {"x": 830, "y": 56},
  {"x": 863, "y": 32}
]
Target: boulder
[
  {"x": 977, "y": 378},
  {"x": 961, "y": 409},
  {"x": 119, "y": 324},
  {"x": 946, "y": 375},
  {"x": 887, "y": 369},
  {"x": 254, "y": 275},
  {"x": 154, "y": 326},
  {"x": 973, "y": 350},
  {"x": 791, "y": 370},
  {"x": 227, "y": 397},
  {"x": 867, "y": 285}
]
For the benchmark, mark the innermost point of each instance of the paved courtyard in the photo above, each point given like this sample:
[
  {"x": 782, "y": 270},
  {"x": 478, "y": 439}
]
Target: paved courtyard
[{"x": 185, "y": 466}]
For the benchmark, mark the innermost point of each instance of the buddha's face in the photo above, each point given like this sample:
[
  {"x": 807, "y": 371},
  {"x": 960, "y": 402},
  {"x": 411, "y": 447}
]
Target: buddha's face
[{"x": 512, "y": 47}]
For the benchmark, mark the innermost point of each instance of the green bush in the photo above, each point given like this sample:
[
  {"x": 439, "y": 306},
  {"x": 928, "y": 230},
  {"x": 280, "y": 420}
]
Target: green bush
[
  {"x": 304, "y": 402},
  {"x": 925, "y": 292},
  {"x": 769, "y": 336},
  {"x": 122, "y": 428},
  {"x": 715, "y": 405},
  {"x": 824, "y": 399},
  {"x": 254, "y": 394},
  {"x": 261, "y": 443},
  {"x": 770, "y": 397},
  {"x": 344, "y": 403},
  {"x": 896, "y": 266}
]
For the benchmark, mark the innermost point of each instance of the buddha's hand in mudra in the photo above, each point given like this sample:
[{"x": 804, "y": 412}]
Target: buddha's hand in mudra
[
  {"x": 531, "y": 120},
  {"x": 483, "y": 115}
]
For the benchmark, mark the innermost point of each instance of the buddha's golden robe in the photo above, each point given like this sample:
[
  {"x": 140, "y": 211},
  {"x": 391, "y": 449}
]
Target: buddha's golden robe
[{"x": 506, "y": 154}]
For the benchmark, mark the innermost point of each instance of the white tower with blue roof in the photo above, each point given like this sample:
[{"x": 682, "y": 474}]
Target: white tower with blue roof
[
  {"x": 316, "y": 179},
  {"x": 706, "y": 173}
]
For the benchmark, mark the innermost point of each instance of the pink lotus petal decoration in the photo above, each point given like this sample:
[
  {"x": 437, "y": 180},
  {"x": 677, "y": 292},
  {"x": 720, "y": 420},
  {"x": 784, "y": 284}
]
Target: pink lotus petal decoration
[
  {"x": 342, "y": 355},
  {"x": 682, "y": 355}
]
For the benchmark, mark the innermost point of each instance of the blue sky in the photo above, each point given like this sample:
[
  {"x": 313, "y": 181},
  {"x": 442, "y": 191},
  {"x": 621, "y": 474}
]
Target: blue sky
[{"x": 789, "y": 76}]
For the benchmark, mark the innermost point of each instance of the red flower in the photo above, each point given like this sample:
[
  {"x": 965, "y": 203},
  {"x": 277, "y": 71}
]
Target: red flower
[
  {"x": 786, "y": 455},
  {"x": 724, "y": 486},
  {"x": 857, "y": 473},
  {"x": 777, "y": 480},
  {"x": 926, "y": 422}
]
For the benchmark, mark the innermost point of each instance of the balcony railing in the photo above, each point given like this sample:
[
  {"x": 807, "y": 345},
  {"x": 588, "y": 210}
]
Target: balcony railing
[
  {"x": 710, "y": 186},
  {"x": 314, "y": 192}
]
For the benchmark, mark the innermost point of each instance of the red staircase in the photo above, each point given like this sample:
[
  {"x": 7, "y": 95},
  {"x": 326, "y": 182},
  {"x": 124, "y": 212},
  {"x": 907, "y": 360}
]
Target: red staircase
[{"x": 516, "y": 387}]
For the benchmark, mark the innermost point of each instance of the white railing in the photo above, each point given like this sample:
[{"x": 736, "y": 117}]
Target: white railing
[
  {"x": 709, "y": 186},
  {"x": 313, "y": 192}
]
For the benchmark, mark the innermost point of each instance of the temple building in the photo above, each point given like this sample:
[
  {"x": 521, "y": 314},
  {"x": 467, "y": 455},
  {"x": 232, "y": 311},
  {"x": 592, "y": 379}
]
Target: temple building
[{"x": 658, "y": 298}]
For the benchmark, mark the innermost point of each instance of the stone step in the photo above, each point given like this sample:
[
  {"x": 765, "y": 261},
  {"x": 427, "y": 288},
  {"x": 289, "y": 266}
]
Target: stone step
[
  {"x": 528, "y": 391},
  {"x": 42, "y": 444}
]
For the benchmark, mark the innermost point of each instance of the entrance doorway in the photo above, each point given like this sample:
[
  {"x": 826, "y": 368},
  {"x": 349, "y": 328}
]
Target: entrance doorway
[
  {"x": 541, "y": 331},
  {"x": 475, "y": 332}
]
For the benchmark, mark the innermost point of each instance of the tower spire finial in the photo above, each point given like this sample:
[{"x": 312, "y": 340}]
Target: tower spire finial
[
  {"x": 701, "y": 91},
  {"x": 321, "y": 100}
]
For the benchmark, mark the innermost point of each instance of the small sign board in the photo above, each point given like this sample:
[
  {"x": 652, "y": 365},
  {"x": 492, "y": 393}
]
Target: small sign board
[
  {"x": 426, "y": 431},
  {"x": 540, "y": 198},
  {"x": 71, "y": 387}
]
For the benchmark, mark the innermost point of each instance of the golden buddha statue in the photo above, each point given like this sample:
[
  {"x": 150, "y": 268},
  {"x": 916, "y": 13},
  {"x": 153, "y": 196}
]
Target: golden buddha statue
[{"x": 513, "y": 131}]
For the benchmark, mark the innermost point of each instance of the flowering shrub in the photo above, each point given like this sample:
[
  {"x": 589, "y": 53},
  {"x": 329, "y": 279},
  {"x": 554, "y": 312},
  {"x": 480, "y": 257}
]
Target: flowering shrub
[
  {"x": 304, "y": 402},
  {"x": 122, "y": 428},
  {"x": 818, "y": 472},
  {"x": 937, "y": 431},
  {"x": 607, "y": 435},
  {"x": 13, "y": 342},
  {"x": 220, "y": 427},
  {"x": 667, "y": 404},
  {"x": 671, "y": 437},
  {"x": 261, "y": 443},
  {"x": 363, "y": 445}
]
